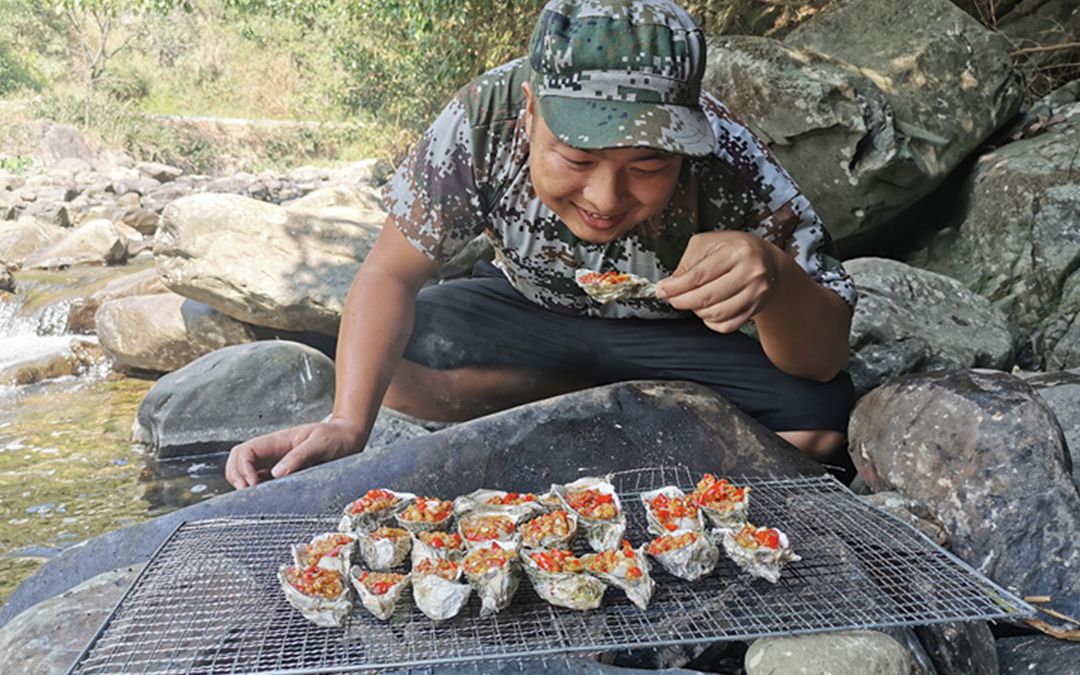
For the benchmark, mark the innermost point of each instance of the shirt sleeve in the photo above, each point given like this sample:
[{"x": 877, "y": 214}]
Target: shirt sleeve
[
  {"x": 778, "y": 211},
  {"x": 433, "y": 198}
]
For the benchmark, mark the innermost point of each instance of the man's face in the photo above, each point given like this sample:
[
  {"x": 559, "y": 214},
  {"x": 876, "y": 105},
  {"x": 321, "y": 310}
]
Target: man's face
[{"x": 600, "y": 194}]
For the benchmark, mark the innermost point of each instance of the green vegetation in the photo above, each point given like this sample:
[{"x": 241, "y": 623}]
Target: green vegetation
[{"x": 369, "y": 74}]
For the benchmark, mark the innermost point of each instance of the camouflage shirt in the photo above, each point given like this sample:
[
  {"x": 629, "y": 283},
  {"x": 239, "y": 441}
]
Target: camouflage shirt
[{"x": 469, "y": 175}]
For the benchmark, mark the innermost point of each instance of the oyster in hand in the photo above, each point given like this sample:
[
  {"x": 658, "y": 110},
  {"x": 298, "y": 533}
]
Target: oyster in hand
[
  {"x": 320, "y": 594},
  {"x": 606, "y": 287},
  {"x": 559, "y": 577},
  {"x": 438, "y": 589}
]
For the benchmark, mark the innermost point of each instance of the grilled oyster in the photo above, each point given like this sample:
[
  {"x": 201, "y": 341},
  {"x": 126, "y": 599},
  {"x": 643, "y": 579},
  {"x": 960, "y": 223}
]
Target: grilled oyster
[
  {"x": 437, "y": 588},
  {"x": 385, "y": 547},
  {"x": 373, "y": 509},
  {"x": 438, "y": 545},
  {"x": 606, "y": 287},
  {"x": 555, "y": 529},
  {"x": 597, "y": 507},
  {"x": 331, "y": 551},
  {"x": 480, "y": 529},
  {"x": 495, "y": 574},
  {"x": 624, "y": 568},
  {"x": 320, "y": 594},
  {"x": 685, "y": 554},
  {"x": 758, "y": 551},
  {"x": 378, "y": 591},
  {"x": 425, "y": 514},
  {"x": 517, "y": 505},
  {"x": 724, "y": 504},
  {"x": 559, "y": 577},
  {"x": 669, "y": 509}
]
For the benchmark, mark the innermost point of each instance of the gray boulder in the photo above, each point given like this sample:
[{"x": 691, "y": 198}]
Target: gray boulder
[
  {"x": 1037, "y": 655},
  {"x": 617, "y": 427},
  {"x": 960, "y": 648},
  {"x": 83, "y": 310},
  {"x": 852, "y": 653},
  {"x": 20, "y": 238},
  {"x": 268, "y": 386},
  {"x": 260, "y": 263},
  {"x": 910, "y": 320},
  {"x": 358, "y": 197},
  {"x": 1017, "y": 242},
  {"x": 983, "y": 453},
  {"x": 164, "y": 332},
  {"x": 1061, "y": 391},
  {"x": 94, "y": 242},
  {"x": 870, "y": 122}
]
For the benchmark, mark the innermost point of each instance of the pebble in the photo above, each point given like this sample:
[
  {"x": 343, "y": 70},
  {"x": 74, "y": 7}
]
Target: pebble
[{"x": 198, "y": 488}]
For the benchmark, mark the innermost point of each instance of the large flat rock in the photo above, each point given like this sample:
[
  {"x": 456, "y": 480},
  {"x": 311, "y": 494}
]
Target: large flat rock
[{"x": 617, "y": 427}]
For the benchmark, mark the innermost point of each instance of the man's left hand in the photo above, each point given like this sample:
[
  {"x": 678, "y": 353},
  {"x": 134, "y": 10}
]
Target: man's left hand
[{"x": 726, "y": 278}]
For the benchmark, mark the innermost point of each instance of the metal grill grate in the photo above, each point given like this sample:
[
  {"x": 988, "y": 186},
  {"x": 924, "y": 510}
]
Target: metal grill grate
[{"x": 209, "y": 600}]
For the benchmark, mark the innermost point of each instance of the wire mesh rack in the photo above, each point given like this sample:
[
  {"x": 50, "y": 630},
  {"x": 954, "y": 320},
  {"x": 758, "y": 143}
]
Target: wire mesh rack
[{"x": 209, "y": 600}]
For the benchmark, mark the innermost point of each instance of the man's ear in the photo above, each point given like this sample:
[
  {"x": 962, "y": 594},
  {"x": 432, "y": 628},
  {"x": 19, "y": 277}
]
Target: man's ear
[{"x": 530, "y": 111}]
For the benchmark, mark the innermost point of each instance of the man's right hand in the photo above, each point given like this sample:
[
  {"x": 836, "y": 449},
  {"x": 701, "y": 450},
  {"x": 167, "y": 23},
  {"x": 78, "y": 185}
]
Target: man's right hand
[{"x": 282, "y": 452}]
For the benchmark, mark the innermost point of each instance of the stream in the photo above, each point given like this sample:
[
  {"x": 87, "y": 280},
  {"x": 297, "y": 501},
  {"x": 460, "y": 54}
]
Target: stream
[{"x": 68, "y": 471}]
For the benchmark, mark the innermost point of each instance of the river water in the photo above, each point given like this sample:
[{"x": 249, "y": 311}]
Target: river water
[{"x": 68, "y": 471}]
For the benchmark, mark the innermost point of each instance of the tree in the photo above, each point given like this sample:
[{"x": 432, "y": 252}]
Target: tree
[{"x": 91, "y": 30}]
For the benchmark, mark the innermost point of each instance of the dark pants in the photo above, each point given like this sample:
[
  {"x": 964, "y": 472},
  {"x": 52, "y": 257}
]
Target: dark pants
[{"x": 483, "y": 321}]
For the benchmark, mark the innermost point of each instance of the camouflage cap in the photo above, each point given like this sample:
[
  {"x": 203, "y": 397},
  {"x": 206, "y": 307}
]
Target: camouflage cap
[{"x": 621, "y": 73}]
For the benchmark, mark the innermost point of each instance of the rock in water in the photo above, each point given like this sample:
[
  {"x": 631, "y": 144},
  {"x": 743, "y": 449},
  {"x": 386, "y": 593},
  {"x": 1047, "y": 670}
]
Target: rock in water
[
  {"x": 986, "y": 456},
  {"x": 629, "y": 425},
  {"x": 911, "y": 320},
  {"x": 233, "y": 394},
  {"x": 853, "y": 653},
  {"x": 164, "y": 331},
  {"x": 263, "y": 264}
]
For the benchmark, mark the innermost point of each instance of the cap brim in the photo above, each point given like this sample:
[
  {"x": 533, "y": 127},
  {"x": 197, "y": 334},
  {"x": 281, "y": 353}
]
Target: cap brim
[{"x": 597, "y": 124}]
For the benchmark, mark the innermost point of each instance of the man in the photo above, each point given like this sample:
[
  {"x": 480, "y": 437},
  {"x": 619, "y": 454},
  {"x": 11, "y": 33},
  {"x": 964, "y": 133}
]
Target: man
[{"x": 601, "y": 153}]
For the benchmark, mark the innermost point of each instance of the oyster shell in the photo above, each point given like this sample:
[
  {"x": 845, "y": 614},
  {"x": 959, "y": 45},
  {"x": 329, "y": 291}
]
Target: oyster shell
[
  {"x": 559, "y": 577},
  {"x": 373, "y": 509},
  {"x": 517, "y": 505},
  {"x": 626, "y": 568},
  {"x": 385, "y": 547},
  {"x": 323, "y": 610},
  {"x": 592, "y": 500},
  {"x": 495, "y": 574},
  {"x": 330, "y": 551},
  {"x": 369, "y": 584},
  {"x": 605, "y": 287},
  {"x": 669, "y": 509},
  {"x": 425, "y": 514},
  {"x": 437, "y": 588},
  {"x": 554, "y": 529},
  {"x": 685, "y": 554},
  {"x": 479, "y": 530},
  {"x": 725, "y": 505},
  {"x": 750, "y": 549},
  {"x": 438, "y": 545}
]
